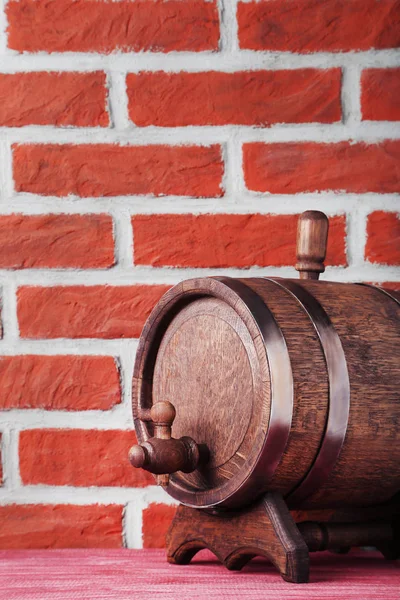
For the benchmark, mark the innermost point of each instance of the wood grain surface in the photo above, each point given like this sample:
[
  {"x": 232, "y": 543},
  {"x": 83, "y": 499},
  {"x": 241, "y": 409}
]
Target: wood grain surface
[{"x": 216, "y": 349}]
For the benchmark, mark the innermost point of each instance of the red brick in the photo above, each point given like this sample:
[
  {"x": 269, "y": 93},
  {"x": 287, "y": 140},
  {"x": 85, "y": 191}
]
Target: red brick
[
  {"x": 1, "y": 461},
  {"x": 59, "y": 382},
  {"x": 242, "y": 98},
  {"x": 383, "y": 241},
  {"x": 312, "y": 26},
  {"x": 59, "y": 241},
  {"x": 35, "y": 526},
  {"x": 156, "y": 521},
  {"x": 112, "y": 170},
  {"x": 79, "y": 457},
  {"x": 78, "y": 99},
  {"x": 287, "y": 168},
  {"x": 380, "y": 94},
  {"x": 85, "y": 311},
  {"x": 126, "y": 26},
  {"x": 225, "y": 240},
  {"x": 390, "y": 285}
]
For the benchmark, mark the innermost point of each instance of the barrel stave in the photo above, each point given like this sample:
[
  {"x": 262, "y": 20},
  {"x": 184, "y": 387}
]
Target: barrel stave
[{"x": 367, "y": 471}]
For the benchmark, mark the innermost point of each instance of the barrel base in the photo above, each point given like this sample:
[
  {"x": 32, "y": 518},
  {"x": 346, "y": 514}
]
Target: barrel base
[{"x": 265, "y": 529}]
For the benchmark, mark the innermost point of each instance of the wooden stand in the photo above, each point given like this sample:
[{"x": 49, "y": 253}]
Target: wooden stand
[{"x": 268, "y": 529}]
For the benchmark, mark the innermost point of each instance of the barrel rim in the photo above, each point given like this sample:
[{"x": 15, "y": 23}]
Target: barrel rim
[{"x": 262, "y": 463}]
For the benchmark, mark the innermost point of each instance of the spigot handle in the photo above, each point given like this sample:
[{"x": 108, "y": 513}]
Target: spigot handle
[
  {"x": 163, "y": 415},
  {"x": 163, "y": 454}
]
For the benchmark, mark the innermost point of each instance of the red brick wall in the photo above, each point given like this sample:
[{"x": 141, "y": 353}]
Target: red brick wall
[{"x": 143, "y": 142}]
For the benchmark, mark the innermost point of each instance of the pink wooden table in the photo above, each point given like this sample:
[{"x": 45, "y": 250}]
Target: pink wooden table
[{"x": 145, "y": 575}]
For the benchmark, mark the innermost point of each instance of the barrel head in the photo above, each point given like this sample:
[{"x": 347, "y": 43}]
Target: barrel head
[{"x": 203, "y": 350}]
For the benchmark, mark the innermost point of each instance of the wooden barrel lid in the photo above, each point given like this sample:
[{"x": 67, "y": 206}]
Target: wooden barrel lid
[{"x": 204, "y": 350}]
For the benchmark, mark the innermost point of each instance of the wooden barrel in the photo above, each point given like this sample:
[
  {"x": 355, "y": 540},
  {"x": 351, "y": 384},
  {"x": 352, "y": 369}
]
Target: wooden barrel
[{"x": 293, "y": 385}]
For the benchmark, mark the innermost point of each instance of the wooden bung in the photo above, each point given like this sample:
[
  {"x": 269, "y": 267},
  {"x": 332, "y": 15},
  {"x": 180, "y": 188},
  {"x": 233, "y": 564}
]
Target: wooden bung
[
  {"x": 312, "y": 237},
  {"x": 262, "y": 401}
]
